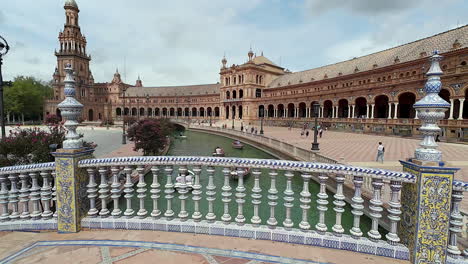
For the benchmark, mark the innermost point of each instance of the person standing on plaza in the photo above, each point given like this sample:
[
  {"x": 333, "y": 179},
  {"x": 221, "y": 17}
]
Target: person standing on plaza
[
  {"x": 320, "y": 132},
  {"x": 307, "y": 133},
  {"x": 380, "y": 152}
]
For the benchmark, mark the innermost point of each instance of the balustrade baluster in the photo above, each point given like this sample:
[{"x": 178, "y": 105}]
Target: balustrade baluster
[
  {"x": 54, "y": 194},
  {"x": 210, "y": 193},
  {"x": 272, "y": 197},
  {"x": 357, "y": 205},
  {"x": 394, "y": 212},
  {"x": 226, "y": 195},
  {"x": 92, "y": 193},
  {"x": 197, "y": 215},
  {"x": 288, "y": 199},
  {"x": 456, "y": 224},
  {"x": 4, "y": 198},
  {"x": 13, "y": 196},
  {"x": 339, "y": 204},
  {"x": 35, "y": 196},
  {"x": 322, "y": 203},
  {"x": 240, "y": 189},
  {"x": 305, "y": 201},
  {"x": 141, "y": 190},
  {"x": 376, "y": 208},
  {"x": 182, "y": 190},
  {"x": 103, "y": 192},
  {"x": 169, "y": 190},
  {"x": 155, "y": 192},
  {"x": 256, "y": 197},
  {"x": 46, "y": 195},
  {"x": 24, "y": 196},
  {"x": 115, "y": 192},
  {"x": 128, "y": 190}
]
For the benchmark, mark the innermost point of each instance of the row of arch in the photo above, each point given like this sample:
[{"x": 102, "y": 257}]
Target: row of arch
[
  {"x": 235, "y": 94},
  {"x": 362, "y": 108},
  {"x": 169, "y": 112}
]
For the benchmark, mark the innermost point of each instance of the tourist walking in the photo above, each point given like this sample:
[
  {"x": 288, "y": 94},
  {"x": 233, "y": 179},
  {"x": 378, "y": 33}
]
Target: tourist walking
[
  {"x": 302, "y": 133},
  {"x": 320, "y": 132},
  {"x": 380, "y": 152},
  {"x": 307, "y": 133}
]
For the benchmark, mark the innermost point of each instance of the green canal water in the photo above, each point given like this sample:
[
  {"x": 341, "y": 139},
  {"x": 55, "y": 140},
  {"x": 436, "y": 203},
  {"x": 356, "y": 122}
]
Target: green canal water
[{"x": 203, "y": 144}]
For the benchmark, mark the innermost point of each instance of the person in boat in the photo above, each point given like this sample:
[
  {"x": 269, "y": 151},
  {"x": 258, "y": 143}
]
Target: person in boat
[
  {"x": 188, "y": 178},
  {"x": 237, "y": 142},
  {"x": 219, "y": 150}
]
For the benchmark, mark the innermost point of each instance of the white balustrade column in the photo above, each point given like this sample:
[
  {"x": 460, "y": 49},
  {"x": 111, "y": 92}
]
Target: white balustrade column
[
  {"x": 456, "y": 224},
  {"x": 13, "y": 196},
  {"x": 372, "y": 112},
  {"x": 210, "y": 193},
  {"x": 24, "y": 196},
  {"x": 288, "y": 200},
  {"x": 4, "y": 216},
  {"x": 322, "y": 203},
  {"x": 115, "y": 192},
  {"x": 128, "y": 190},
  {"x": 196, "y": 194},
  {"x": 92, "y": 193},
  {"x": 240, "y": 195},
  {"x": 272, "y": 197},
  {"x": 339, "y": 204},
  {"x": 182, "y": 190},
  {"x": 169, "y": 190},
  {"x": 376, "y": 208},
  {"x": 141, "y": 191},
  {"x": 451, "y": 109},
  {"x": 389, "y": 111},
  {"x": 395, "y": 114},
  {"x": 460, "y": 113},
  {"x": 305, "y": 202},
  {"x": 54, "y": 194},
  {"x": 358, "y": 207},
  {"x": 226, "y": 195},
  {"x": 394, "y": 212},
  {"x": 155, "y": 192},
  {"x": 46, "y": 195},
  {"x": 256, "y": 196},
  {"x": 103, "y": 192},
  {"x": 35, "y": 196}
]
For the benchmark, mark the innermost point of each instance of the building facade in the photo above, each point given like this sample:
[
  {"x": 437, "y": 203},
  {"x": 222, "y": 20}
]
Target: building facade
[{"x": 372, "y": 93}]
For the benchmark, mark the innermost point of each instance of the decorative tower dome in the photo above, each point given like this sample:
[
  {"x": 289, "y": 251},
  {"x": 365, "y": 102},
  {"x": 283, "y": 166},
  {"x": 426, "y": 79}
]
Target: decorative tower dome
[
  {"x": 71, "y": 3},
  {"x": 224, "y": 61},
  {"x": 91, "y": 77},
  {"x": 250, "y": 54},
  {"x": 138, "y": 82},
  {"x": 116, "y": 78}
]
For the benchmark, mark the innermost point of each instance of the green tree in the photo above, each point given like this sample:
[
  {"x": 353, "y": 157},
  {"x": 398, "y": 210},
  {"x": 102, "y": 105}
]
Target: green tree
[
  {"x": 150, "y": 135},
  {"x": 26, "y": 97}
]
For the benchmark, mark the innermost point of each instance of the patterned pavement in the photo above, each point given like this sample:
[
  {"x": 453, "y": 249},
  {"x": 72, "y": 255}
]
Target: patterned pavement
[{"x": 134, "y": 246}]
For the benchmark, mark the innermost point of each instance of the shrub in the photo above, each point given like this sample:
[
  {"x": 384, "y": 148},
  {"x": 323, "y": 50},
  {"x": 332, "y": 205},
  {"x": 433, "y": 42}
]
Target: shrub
[
  {"x": 31, "y": 145},
  {"x": 150, "y": 135},
  {"x": 52, "y": 120}
]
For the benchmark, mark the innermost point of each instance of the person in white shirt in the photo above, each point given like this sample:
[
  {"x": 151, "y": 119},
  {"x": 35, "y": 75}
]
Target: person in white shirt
[{"x": 380, "y": 152}]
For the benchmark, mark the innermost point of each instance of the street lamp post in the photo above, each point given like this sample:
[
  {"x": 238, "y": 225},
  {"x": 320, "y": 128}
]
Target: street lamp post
[
  {"x": 4, "y": 48},
  {"x": 262, "y": 112},
  {"x": 233, "y": 120},
  {"x": 147, "y": 104},
  {"x": 315, "y": 145},
  {"x": 124, "y": 137}
]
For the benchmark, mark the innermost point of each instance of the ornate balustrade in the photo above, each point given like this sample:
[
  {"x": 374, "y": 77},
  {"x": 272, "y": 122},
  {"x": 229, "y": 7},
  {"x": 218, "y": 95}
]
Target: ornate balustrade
[
  {"x": 456, "y": 220},
  {"x": 175, "y": 210},
  {"x": 28, "y": 197}
]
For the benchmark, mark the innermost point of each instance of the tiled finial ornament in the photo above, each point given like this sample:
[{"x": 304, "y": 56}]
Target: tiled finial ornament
[
  {"x": 71, "y": 110},
  {"x": 431, "y": 108}
]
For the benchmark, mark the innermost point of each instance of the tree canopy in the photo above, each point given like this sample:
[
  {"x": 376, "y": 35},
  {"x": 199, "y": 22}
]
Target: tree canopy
[{"x": 26, "y": 97}]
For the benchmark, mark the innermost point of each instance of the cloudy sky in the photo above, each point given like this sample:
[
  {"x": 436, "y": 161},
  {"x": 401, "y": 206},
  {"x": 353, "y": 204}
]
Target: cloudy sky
[{"x": 182, "y": 42}]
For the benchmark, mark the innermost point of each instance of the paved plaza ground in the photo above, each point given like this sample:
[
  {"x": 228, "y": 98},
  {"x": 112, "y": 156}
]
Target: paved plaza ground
[{"x": 114, "y": 246}]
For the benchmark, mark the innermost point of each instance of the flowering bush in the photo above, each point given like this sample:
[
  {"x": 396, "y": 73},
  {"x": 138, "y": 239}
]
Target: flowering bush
[
  {"x": 150, "y": 135},
  {"x": 31, "y": 145},
  {"x": 52, "y": 120}
]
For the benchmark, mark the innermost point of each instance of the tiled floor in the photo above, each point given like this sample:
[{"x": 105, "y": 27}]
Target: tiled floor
[{"x": 113, "y": 246}]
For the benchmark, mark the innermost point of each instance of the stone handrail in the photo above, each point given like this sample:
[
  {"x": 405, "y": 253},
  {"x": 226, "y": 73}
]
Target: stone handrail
[
  {"x": 27, "y": 168},
  {"x": 104, "y": 185}
]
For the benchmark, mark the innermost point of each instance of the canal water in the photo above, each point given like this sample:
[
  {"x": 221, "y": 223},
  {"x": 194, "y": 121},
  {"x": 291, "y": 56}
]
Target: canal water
[{"x": 203, "y": 144}]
